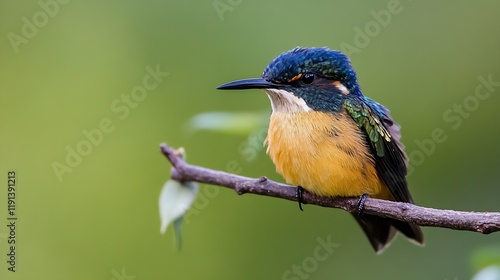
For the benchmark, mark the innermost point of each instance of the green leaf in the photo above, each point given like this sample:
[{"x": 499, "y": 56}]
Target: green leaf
[{"x": 175, "y": 199}]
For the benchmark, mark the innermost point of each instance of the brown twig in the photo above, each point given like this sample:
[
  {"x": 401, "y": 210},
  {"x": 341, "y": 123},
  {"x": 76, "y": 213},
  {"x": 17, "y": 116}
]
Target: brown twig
[{"x": 483, "y": 222}]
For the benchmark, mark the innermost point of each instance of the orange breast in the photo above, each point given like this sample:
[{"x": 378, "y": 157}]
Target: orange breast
[{"x": 324, "y": 153}]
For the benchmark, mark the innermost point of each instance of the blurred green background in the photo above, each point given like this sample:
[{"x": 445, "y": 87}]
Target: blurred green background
[{"x": 63, "y": 74}]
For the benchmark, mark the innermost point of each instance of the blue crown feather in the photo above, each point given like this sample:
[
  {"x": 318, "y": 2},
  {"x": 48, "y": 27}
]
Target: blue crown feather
[{"x": 324, "y": 62}]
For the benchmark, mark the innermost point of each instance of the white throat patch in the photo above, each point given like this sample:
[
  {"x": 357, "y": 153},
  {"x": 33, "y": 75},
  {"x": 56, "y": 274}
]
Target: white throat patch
[{"x": 286, "y": 102}]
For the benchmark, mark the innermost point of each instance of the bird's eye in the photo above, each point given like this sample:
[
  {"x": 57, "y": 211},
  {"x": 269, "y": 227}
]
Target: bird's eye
[{"x": 308, "y": 78}]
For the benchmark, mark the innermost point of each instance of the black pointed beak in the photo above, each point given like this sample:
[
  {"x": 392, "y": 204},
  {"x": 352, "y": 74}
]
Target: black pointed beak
[{"x": 250, "y": 84}]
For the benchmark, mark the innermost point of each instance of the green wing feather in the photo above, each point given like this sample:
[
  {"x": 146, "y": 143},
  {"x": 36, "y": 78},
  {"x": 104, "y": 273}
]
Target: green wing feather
[
  {"x": 382, "y": 135},
  {"x": 367, "y": 120}
]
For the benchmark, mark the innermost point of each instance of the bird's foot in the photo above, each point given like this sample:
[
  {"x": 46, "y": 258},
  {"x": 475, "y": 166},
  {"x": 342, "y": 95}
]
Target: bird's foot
[
  {"x": 361, "y": 204},
  {"x": 300, "y": 197}
]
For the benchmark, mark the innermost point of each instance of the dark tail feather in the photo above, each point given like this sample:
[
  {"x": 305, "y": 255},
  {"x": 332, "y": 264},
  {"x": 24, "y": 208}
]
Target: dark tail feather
[
  {"x": 381, "y": 231},
  {"x": 411, "y": 231}
]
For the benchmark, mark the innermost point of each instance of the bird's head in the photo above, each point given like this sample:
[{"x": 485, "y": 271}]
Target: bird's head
[{"x": 305, "y": 79}]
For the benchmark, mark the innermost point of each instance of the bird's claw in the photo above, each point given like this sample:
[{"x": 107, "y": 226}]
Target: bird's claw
[
  {"x": 361, "y": 204},
  {"x": 300, "y": 197}
]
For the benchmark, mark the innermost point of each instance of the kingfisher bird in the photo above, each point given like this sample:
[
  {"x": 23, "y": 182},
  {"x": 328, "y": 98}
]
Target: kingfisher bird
[{"x": 328, "y": 138}]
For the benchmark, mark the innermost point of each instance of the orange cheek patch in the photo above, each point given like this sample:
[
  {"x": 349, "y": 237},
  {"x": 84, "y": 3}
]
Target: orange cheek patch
[
  {"x": 295, "y": 78},
  {"x": 341, "y": 87}
]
